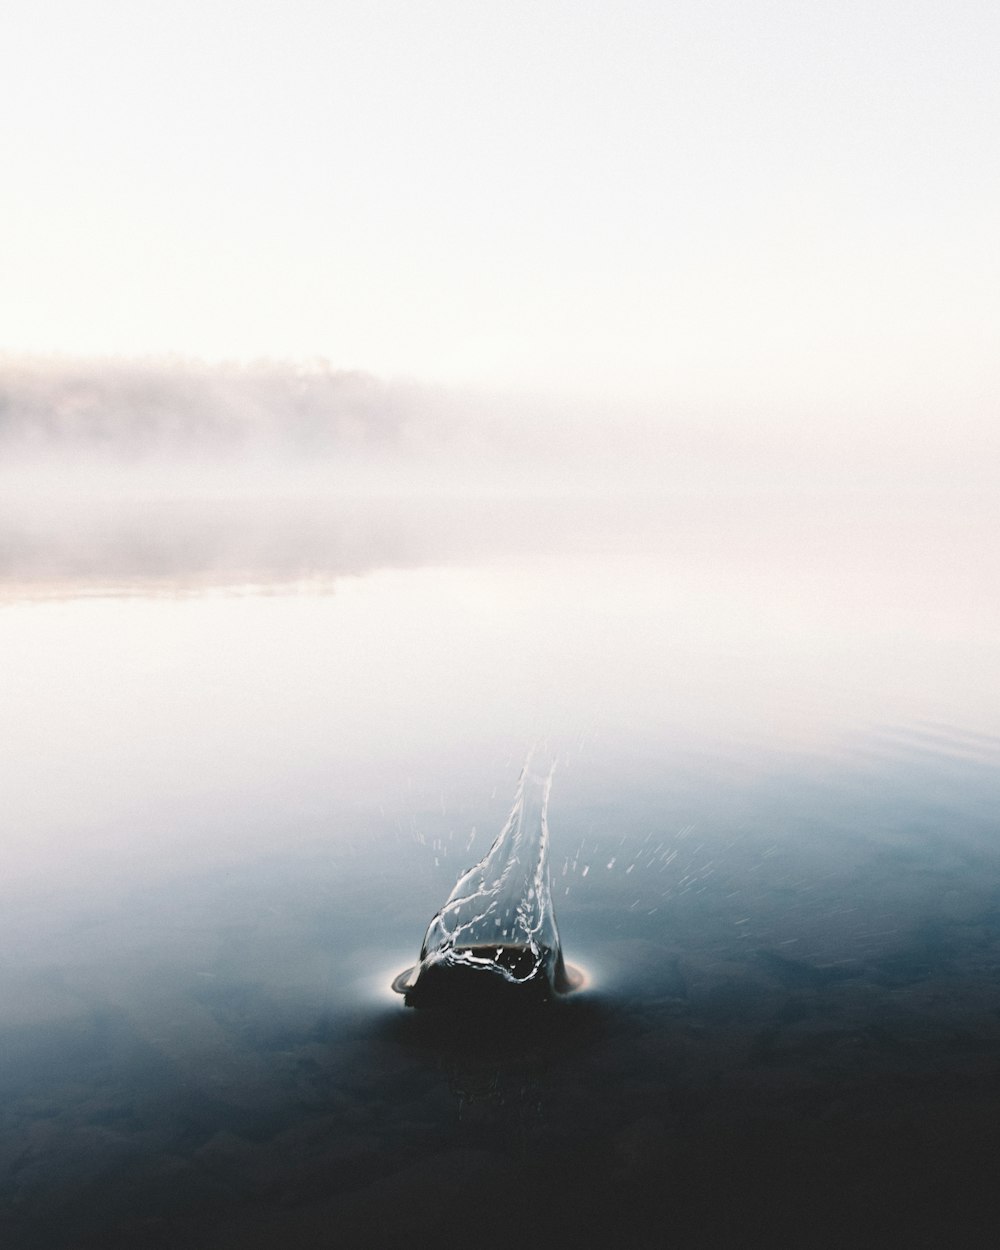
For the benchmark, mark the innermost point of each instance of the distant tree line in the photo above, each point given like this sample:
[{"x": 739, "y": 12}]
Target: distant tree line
[{"x": 139, "y": 407}]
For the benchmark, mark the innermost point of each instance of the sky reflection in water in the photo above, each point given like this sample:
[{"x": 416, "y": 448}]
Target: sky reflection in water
[{"x": 232, "y": 805}]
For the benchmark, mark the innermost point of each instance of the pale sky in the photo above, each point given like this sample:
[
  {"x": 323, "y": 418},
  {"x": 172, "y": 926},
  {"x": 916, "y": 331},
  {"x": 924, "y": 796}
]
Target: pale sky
[{"x": 784, "y": 202}]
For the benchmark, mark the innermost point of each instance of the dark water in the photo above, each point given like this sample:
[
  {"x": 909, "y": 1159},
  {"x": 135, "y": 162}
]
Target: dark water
[{"x": 230, "y": 812}]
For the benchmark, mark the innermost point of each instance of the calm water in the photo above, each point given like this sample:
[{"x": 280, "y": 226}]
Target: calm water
[{"x": 240, "y": 773}]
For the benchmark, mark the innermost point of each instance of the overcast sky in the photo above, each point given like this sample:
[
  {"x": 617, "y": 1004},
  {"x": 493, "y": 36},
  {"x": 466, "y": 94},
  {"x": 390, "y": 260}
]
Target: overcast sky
[{"x": 786, "y": 203}]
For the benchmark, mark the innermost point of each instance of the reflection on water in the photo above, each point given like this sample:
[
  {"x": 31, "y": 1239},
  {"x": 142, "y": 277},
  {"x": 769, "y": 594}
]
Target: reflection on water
[
  {"x": 226, "y": 816},
  {"x": 803, "y": 962}
]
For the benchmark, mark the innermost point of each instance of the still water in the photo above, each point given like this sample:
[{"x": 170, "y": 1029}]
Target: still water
[{"x": 234, "y": 796}]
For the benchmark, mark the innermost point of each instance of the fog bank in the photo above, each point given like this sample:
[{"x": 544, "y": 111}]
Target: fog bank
[{"x": 130, "y": 473}]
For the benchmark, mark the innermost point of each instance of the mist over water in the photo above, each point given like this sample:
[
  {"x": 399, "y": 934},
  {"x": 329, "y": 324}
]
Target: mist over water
[
  {"x": 276, "y": 642},
  {"x": 161, "y": 472}
]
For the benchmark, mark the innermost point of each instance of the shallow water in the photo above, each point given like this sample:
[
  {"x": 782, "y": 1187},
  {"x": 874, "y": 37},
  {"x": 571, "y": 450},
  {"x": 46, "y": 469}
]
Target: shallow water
[{"x": 233, "y": 801}]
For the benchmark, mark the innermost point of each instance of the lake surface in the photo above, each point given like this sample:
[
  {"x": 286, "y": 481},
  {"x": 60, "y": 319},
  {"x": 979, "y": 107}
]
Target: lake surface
[{"x": 247, "y": 747}]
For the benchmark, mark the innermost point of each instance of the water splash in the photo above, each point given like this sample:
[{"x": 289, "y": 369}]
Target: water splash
[{"x": 496, "y": 939}]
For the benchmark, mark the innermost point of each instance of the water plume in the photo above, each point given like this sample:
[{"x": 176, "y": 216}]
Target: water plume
[{"x": 495, "y": 940}]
